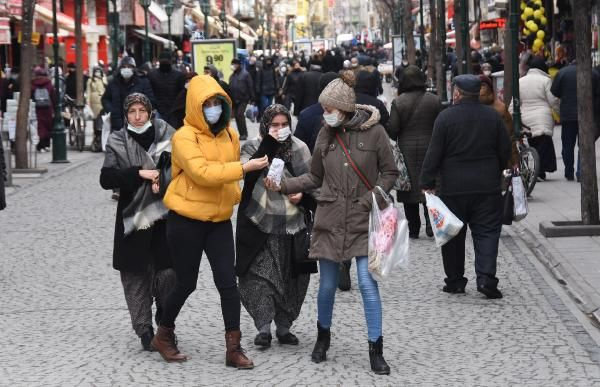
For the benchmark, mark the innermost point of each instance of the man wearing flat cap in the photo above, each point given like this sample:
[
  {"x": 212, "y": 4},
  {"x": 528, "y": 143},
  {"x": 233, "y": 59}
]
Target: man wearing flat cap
[{"x": 469, "y": 149}]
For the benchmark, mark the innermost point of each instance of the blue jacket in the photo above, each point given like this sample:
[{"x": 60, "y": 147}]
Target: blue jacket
[{"x": 309, "y": 124}]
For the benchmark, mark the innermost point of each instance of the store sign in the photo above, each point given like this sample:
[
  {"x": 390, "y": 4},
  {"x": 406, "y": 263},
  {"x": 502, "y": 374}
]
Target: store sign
[
  {"x": 216, "y": 52},
  {"x": 35, "y": 38},
  {"x": 492, "y": 24}
]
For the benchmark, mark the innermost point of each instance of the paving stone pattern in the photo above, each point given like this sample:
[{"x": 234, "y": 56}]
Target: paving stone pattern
[{"x": 64, "y": 319}]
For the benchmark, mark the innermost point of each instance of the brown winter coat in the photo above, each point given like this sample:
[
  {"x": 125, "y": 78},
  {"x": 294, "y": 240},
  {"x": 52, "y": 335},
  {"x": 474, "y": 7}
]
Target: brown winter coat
[{"x": 341, "y": 224}]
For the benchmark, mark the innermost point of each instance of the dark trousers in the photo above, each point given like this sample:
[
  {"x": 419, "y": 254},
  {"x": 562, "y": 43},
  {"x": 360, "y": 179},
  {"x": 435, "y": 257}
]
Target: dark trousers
[
  {"x": 568, "y": 136},
  {"x": 188, "y": 239},
  {"x": 411, "y": 210},
  {"x": 240, "y": 117},
  {"x": 482, "y": 214}
]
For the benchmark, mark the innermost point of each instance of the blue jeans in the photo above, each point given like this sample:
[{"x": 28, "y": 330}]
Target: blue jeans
[
  {"x": 265, "y": 102},
  {"x": 568, "y": 135},
  {"x": 329, "y": 273}
]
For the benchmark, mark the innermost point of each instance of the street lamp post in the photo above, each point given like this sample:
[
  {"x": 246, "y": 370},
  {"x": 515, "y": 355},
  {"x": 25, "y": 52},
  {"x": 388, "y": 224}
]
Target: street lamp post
[
  {"x": 145, "y": 4},
  {"x": 401, "y": 13},
  {"x": 205, "y": 8},
  {"x": 169, "y": 7},
  {"x": 269, "y": 33},
  {"x": 442, "y": 38},
  {"x": 59, "y": 135},
  {"x": 223, "y": 18},
  {"x": 113, "y": 24},
  {"x": 464, "y": 31},
  {"x": 423, "y": 48},
  {"x": 261, "y": 22},
  {"x": 238, "y": 16}
]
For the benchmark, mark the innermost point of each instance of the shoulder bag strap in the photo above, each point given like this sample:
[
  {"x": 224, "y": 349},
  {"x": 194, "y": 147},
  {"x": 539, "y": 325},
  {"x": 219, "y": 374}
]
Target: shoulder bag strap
[
  {"x": 414, "y": 107},
  {"x": 358, "y": 172}
]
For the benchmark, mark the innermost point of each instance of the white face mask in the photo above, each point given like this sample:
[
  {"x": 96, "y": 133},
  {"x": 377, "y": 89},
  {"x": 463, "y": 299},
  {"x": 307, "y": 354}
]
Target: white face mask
[
  {"x": 332, "y": 119},
  {"x": 141, "y": 129},
  {"x": 213, "y": 113},
  {"x": 283, "y": 134},
  {"x": 282, "y": 70},
  {"x": 187, "y": 84},
  {"x": 233, "y": 68},
  {"x": 487, "y": 73},
  {"x": 126, "y": 72}
]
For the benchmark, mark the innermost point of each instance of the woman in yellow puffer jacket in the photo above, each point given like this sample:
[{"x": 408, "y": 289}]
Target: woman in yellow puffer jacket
[{"x": 206, "y": 171}]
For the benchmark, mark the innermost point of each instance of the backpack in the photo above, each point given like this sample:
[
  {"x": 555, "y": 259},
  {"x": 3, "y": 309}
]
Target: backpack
[{"x": 41, "y": 97}]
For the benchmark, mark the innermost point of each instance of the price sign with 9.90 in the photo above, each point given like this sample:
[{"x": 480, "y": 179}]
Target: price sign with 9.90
[{"x": 216, "y": 52}]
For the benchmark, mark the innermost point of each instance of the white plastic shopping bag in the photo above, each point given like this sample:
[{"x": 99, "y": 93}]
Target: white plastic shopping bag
[
  {"x": 444, "y": 223},
  {"x": 519, "y": 198},
  {"x": 105, "y": 130},
  {"x": 388, "y": 238}
]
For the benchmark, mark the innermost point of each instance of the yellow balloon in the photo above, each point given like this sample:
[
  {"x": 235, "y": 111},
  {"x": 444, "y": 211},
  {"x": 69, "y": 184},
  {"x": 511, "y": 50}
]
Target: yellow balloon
[
  {"x": 528, "y": 11},
  {"x": 541, "y": 34},
  {"x": 538, "y": 42},
  {"x": 538, "y": 2},
  {"x": 523, "y": 6},
  {"x": 532, "y": 26},
  {"x": 543, "y": 20},
  {"x": 523, "y": 17},
  {"x": 542, "y": 10},
  {"x": 537, "y": 14},
  {"x": 525, "y": 32}
]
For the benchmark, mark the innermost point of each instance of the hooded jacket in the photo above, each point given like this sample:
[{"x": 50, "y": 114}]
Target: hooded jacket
[
  {"x": 205, "y": 159},
  {"x": 341, "y": 225}
]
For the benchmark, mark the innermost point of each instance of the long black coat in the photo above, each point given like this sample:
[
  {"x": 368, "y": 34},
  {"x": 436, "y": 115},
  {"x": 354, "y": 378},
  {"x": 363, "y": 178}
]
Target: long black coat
[
  {"x": 413, "y": 135},
  {"x": 142, "y": 248},
  {"x": 308, "y": 92},
  {"x": 166, "y": 86},
  {"x": 2, "y": 176},
  {"x": 249, "y": 239}
]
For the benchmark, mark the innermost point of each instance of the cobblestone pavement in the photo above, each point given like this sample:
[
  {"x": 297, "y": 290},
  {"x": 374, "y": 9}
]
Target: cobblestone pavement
[{"x": 64, "y": 319}]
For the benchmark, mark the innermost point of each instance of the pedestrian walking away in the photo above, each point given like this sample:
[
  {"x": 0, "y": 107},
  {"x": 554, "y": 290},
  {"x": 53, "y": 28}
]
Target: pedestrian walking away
[
  {"x": 167, "y": 83},
  {"x": 267, "y": 85},
  {"x": 178, "y": 111},
  {"x": 272, "y": 284},
  {"x": 42, "y": 93},
  {"x": 469, "y": 148},
  {"x": 412, "y": 117},
  {"x": 140, "y": 250},
  {"x": 206, "y": 170},
  {"x": 242, "y": 92},
  {"x": 537, "y": 104},
  {"x": 341, "y": 225},
  {"x": 3, "y": 176}
]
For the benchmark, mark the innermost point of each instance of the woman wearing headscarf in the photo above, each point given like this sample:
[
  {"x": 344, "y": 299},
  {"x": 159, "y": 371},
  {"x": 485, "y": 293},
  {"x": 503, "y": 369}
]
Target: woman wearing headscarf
[
  {"x": 140, "y": 250},
  {"x": 341, "y": 225},
  {"x": 272, "y": 287},
  {"x": 95, "y": 89},
  {"x": 537, "y": 104},
  {"x": 42, "y": 93},
  {"x": 206, "y": 171}
]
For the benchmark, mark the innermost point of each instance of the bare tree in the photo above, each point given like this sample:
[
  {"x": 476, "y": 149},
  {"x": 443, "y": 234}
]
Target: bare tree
[
  {"x": 433, "y": 68},
  {"x": 585, "y": 113},
  {"x": 25, "y": 84},
  {"x": 409, "y": 27}
]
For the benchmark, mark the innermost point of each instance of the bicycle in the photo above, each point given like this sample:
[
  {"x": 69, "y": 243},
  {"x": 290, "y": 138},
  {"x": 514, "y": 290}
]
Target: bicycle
[
  {"x": 529, "y": 160},
  {"x": 76, "y": 123}
]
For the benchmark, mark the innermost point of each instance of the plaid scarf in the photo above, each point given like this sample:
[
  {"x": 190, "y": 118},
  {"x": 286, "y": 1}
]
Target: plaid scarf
[
  {"x": 270, "y": 211},
  {"x": 122, "y": 151}
]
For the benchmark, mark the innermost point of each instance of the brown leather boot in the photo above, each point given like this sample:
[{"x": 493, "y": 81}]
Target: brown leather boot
[
  {"x": 164, "y": 343},
  {"x": 235, "y": 357}
]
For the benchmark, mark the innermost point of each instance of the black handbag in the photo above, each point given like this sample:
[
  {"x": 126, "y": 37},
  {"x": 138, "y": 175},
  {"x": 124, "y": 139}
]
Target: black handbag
[
  {"x": 508, "y": 206},
  {"x": 301, "y": 240},
  {"x": 164, "y": 177}
]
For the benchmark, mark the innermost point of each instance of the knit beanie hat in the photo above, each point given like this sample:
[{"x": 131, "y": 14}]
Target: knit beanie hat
[{"x": 339, "y": 93}]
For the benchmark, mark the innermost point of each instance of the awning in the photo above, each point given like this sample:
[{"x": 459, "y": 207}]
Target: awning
[
  {"x": 63, "y": 21},
  {"x": 233, "y": 31},
  {"x": 212, "y": 22},
  {"x": 244, "y": 27},
  {"x": 159, "y": 39}
]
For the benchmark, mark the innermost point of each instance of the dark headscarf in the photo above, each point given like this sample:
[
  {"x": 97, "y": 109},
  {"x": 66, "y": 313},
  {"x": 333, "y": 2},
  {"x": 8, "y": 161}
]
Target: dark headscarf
[
  {"x": 137, "y": 98},
  {"x": 411, "y": 78},
  {"x": 538, "y": 63},
  {"x": 285, "y": 150}
]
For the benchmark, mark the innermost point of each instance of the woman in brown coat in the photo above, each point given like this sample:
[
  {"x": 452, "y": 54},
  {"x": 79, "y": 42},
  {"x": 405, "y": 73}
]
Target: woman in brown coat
[{"x": 341, "y": 223}]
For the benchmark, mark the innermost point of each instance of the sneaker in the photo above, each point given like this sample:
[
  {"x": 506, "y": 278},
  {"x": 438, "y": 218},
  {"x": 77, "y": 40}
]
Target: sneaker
[
  {"x": 146, "y": 339},
  {"x": 491, "y": 293}
]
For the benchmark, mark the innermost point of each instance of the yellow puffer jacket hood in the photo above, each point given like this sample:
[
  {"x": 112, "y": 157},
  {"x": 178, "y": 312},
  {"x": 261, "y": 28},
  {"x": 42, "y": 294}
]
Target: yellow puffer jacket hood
[{"x": 205, "y": 160}]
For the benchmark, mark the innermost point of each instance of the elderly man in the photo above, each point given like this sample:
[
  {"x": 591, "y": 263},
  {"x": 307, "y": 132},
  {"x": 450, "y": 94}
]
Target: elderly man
[{"x": 469, "y": 148}]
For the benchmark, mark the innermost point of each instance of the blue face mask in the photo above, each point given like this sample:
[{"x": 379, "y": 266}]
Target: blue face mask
[{"x": 213, "y": 113}]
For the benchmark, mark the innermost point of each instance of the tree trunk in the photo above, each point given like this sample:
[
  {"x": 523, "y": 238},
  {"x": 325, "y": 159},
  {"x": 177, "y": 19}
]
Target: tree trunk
[
  {"x": 27, "y": 55},
  {"x": 409, "y": 27},
  {"x": 585, "y": 114},
  {"x": 434, "y": 47}
]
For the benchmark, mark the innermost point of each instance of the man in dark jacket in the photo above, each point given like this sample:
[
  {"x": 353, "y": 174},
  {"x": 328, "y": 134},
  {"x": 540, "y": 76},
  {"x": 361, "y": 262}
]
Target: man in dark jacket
[
  {"x": 242, "y": 92},
  {"x": 564, "y": 87},
  {"x": 310, "y": 119},
  {"x": 366, "y": 94},
  {"x": 469, "y": 149},
  {"x": 266, "y": 85},
  {"x": 125, "y": 82},
  {"x": 308, "y": 93},
  {"x": 292, "y": 83},
  {"x": 214, "y": 72},
  {"x": 166, "y": 83}
]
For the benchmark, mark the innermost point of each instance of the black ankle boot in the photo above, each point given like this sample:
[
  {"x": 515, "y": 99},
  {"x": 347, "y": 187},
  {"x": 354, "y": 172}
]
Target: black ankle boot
[
  {"x": 378, "y": 364},
  {"x": 319, "y": 353},
  {"x": 146, "y": 338}
]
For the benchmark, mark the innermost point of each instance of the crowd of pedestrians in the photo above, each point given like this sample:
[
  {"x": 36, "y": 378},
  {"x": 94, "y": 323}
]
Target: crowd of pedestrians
[{"x": 324, "y": 117}]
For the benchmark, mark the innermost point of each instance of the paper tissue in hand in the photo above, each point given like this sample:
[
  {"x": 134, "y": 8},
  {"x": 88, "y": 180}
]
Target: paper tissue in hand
[{"x": 276, "y": 170}]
